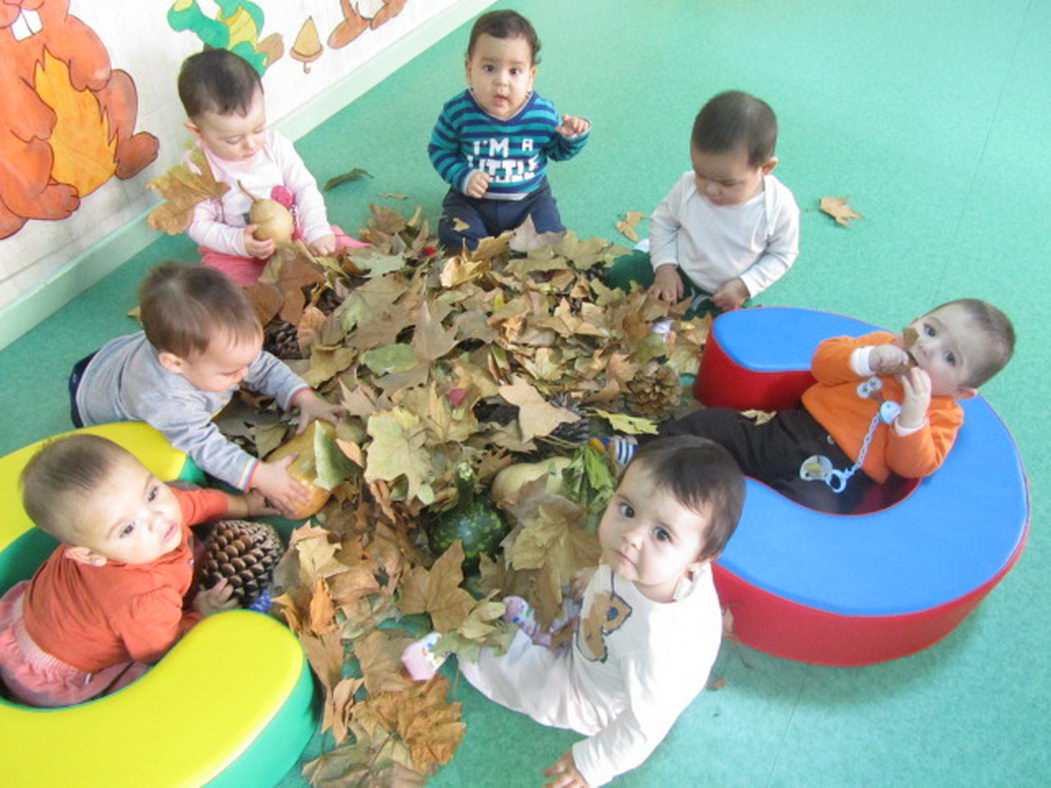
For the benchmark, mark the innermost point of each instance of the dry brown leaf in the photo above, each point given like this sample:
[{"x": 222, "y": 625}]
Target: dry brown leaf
[
  {"x": 379, "y": 654},
  {"x": 183, "y": 188},
  {"x": 628, "y": 225},
  {"x": 437, "y": 592},
  {"x": 837, "y": 208},
  {"x": 536, "y": 416}
]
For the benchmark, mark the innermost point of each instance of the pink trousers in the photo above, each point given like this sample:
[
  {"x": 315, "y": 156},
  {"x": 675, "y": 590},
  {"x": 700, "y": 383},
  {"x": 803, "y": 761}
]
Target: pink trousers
[
  {"x": 35, "y": 678},
  {"x": 245, "y": 271}
]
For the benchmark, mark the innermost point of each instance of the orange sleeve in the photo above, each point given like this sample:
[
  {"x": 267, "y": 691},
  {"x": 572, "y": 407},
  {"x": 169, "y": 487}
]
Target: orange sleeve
[
  {"x": 921, "y": 453},
  {"x": 831, "y": 362},
  {"x": 200, "y": 506}
]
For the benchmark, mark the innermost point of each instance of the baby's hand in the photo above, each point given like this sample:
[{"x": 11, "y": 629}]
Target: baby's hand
[
  {"x": 257, "y": 505},
  {"x": 215, "y": 599},
  {"x": 273, "y": 481},
  {"x": 667, "y": 284},
  {"x": 572, "y": 126},
  {"x": 312, "y": 407},
  {"x": 730, "y": 295},
  {"x": 477, "y": 184},
  {"x": 888, "y": 360},
  {"x": 323, "y": 246},
  {"x": 917, "y": 386},
  {"x": 565, "y": 773},
  {"x": 256, "y": 248}
]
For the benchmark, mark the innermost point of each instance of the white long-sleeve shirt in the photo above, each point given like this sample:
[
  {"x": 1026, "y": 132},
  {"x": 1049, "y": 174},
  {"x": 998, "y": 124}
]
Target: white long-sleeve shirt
[
  {"x": 218, "y": 223},
  {"x": 632, "y": 669},
  {"x": 757, "y": 241}
]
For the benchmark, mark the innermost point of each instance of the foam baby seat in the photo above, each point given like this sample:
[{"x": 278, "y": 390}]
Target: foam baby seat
[
  {"x": 867, "y": 587},
  {"x": 231, "y": 704}
]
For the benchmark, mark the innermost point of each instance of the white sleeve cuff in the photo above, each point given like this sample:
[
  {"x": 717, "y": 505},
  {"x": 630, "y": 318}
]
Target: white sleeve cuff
[
  {"x": 859, "y": 361},
  {"x": 901, "y": 432}
]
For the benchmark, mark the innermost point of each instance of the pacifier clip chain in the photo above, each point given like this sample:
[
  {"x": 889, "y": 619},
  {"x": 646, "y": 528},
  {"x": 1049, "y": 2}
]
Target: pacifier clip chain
[{"x": 818, "y": 468}]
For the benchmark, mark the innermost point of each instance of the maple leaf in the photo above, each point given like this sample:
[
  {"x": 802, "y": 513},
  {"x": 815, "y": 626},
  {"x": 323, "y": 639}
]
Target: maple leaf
[
  {"x": 629, "y": 425},
  {"x": 398, "y": 438},
  {"x": 183, "y": 186},
  {"x": 422, "y": 717},
  {"x": 431, "y": 340},
  {"x": 628, "y": 225},
  {"x": 837, "y": 208},
  {"x": 535, "y": 416},
  {"x": 437, "y": 591},
  {"x": 379, "y": 655},
  {"x": 376, "y": 264}
]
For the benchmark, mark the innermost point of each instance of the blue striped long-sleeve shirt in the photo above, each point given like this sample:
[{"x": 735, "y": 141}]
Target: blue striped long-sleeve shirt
[{"x": 513, "y": 152}]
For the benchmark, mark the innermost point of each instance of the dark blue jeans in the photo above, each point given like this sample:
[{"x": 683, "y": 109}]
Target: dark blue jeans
[
  {"x": 486, "y": 218},
  {"x": 74, "y": 384}
]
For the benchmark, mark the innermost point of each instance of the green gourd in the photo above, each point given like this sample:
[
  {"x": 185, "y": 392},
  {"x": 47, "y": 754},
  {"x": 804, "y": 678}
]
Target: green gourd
[{"x": 473, "y": 519}]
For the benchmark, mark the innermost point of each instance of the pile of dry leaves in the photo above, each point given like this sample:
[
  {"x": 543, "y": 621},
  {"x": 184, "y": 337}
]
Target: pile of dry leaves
[{"x": 485, "y": 358}]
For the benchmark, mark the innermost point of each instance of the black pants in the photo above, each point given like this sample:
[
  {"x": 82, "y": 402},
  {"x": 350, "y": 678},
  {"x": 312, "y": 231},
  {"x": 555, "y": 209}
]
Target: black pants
[
  {"x": 773, "y": 451},
  {"x": 74, "y": 384}
]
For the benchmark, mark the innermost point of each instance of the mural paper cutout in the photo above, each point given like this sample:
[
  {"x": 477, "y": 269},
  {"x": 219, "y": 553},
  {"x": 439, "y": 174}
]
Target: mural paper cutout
[
  {"x": 307, "y": 47},
  {"x": 361, "y": 15},
  {"x": 236, "y": 27},
  {"x": 67, "y": 119}
]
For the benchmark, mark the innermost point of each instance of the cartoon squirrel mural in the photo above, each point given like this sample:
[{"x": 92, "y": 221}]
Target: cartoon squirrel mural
[{"x": 67, "y": 118}]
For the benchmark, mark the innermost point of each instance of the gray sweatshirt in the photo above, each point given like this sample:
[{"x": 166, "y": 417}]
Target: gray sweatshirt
[{"x": 126, "y": 382}]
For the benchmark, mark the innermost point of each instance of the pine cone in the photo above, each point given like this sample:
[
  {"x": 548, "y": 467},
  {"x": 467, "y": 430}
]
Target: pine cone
[
  {"x": 245, "y": 554},
  {"x": 655, "y": 392},
  {"x": 282, "y": 339},
  {"x": 574, "y": 431}
]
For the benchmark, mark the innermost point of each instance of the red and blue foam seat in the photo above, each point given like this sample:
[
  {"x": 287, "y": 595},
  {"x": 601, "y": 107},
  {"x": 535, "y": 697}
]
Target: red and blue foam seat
[{"x": 883, "y": 583}]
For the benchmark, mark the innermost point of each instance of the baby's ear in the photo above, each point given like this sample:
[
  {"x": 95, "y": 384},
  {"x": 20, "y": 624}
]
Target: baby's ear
[
  {"x": 768, "y": 168},
  {"x": 965, "y": 392},
  {"x": 85, "y": 555},
  {"x": 171, "y": 362},
  {"x": 193, "y": 128}
]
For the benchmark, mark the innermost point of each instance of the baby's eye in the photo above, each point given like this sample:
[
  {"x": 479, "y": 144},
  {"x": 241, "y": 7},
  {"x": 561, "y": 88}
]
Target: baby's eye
[
  {"x": 126, "y": 530},
  {"x": 152, "y": 494},
  {"x": 515, "y": 72},
  {"x": 929, "y": 330},
  {"x": 661, "y": 534},
  {"x": 950, "y": 359},
  {"x": 488, "y": 68},
  {"x": 626, "y": 510}
]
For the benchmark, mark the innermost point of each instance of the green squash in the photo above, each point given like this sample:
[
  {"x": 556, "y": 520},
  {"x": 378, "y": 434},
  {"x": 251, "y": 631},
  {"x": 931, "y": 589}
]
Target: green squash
[{"x": 474, "y": 520}]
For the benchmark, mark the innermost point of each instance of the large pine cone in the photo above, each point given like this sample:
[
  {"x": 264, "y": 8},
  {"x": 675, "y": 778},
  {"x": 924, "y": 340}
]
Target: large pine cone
[
  {"x": 654, "y": 392},
  {"x": 245, "y": 554}
]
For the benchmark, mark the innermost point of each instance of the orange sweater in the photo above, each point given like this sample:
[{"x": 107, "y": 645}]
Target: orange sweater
[
  {"x": 834, "y": 402},
  {"x": 92, "y": 617}
]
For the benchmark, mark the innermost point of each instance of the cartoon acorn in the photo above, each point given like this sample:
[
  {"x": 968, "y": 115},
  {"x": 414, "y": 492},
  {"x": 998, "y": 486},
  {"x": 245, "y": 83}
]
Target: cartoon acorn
[{"x": 245, "y": 553}]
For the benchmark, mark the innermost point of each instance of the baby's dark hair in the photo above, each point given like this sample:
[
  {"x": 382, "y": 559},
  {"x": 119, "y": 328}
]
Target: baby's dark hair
[
  {"x": 999, "y": 335},
  {"x": 71, "y": 466},
  {"x": 505, "y": 24},
  {"x": 736, "y": 121},
  {"x": 184, "y": 307},
  {"x": 698, "y": 473},
  {"x": 217, "y": 80}
]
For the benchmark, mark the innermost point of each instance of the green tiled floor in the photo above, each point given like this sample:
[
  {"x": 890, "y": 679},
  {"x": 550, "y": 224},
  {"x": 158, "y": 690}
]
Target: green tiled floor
[{"x": 933, "y": 117}]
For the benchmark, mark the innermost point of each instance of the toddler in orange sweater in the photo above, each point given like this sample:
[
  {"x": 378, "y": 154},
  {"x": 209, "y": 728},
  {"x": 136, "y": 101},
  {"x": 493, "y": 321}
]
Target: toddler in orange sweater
[
  {"x": 117, "y": 593},
  {"x": 883, "y": 403}
]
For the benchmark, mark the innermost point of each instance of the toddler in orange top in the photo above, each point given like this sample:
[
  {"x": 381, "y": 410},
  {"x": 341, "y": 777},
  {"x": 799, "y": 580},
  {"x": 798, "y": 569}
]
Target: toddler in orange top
[
  {"x": 117, "y": 593},
  {"x": 883, "y": 403}
]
